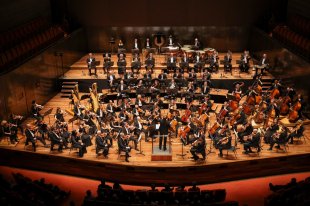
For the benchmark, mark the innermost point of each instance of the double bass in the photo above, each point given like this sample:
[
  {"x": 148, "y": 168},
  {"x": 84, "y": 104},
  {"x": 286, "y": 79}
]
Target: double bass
[
  {"x": 284, "y": 107},
  {"x": 293, "y": 115}
]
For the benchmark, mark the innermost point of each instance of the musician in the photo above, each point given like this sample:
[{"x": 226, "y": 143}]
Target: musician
[
  {"x": 8, "y": 131},
  {"x": 91, "y": 123},
  {"x": 100, "y": 113},
  {"x": 148, "y": 75},
  {"x": 196, "y": 45},
  {"x": 198, "y": 62},
  {"x": 162, "y": 75},
  {"x": 171, "y": 63},
  {"x": 30, "y": 137},
  {"x": 136, "y": 64},
  {"x": 199, "y": 146},
  {"x": 150, "y": 63},
  {"x": 136, "y": 45},
  {"x": 214, "y": 65},
  {"x": 263, "y": 65},
  {"x": 121, "y": 88},
  {"x": 245, "y": 64},
  {"x": 270, "y": 131},
  {"x": 120, "y": 44},
  {"x": 91, "y": 63},
  {"x": 155, "y": 88},
  {"x": 184, "y": 63},
  {"x": 272, "y": 106},
  {"x": 123, "y": 145},
  {"x": 206, "y": 76},
  {"x": 297, "y": 132},
  {"x": 170, "y": 41},
  {"x": 241, "y": 118},
  {"x": 55, "y": 139},
  {"x": 110, "y": 108},
  {"x": 246, "y": 132},
  {"x": 139, "y": 128},
  {"x": 205, "y": 89},
  {"x": 148, "y": 44},
  {"x": 302, "y": 102},
  {"x": 35, "y": 109},
  {"x": 42, "y": 127},
  {"x": 66, "y": 136},
  {"x": 77, "y": 109},
  {"x": 192, "y": 74},
  {"x": 222, "y": 144},
  {"x": 254, "y": 141},
  {"x": 163, "y": 130},
  {"x": 280, "y": 137},
  {"x": 107, "y": 62},
  {"x": 102, "y": 144},
  {"x": 227, "y": 62},
  {"x": 121, "y": 62},
  {"x": 16, "y": 120},
  {"x": 77, "y": 143},
  {"x": 111, "y": 78},
  {"x": 127, "y": 132},
  {"x": 177, "y": 75},
  {"x": 223, "y": 113}
]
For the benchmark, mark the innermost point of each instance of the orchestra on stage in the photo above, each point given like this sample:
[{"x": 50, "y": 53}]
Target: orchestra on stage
[{"x": 174, "y": 105}]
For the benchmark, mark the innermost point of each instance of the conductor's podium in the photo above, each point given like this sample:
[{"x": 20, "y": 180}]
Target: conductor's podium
[{"x": 161, "y": 154}]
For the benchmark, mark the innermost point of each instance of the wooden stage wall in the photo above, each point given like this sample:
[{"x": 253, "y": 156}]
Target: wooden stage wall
[{"x": 146, "y": 175}]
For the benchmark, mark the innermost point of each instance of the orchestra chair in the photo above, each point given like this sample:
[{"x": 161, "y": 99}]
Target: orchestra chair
[
  {"x": 142, "y": 194},
  {"x": 283, "y": 145},
  {"x": 207, "y": 195},
  {"x": 73, "y": 148},
  {"x": 167, "y": 196},
  {"x": 99, "y": 151},
  {"x": 192, "y": 195}
]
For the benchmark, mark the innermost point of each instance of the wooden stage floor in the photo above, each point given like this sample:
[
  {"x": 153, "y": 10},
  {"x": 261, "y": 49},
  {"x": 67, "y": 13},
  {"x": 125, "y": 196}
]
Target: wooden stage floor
[
  {"x": 113, "y": 168},
  {"x": 79, "y": 70}
]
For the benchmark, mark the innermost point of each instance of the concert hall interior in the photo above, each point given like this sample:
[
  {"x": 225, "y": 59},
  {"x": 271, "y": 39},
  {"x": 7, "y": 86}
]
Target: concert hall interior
[{"x": 161, "y": 102}]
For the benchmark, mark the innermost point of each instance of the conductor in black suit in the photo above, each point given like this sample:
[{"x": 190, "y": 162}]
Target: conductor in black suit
[
  {"x": 163, "y": 130},
  {"x": 91, "y": 63}
]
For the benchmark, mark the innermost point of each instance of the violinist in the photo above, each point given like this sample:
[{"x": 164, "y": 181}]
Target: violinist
[
  {"x": 199, "y": 146},
  {"x": 253, "y": 141},
  {"x": 35, "y": 109},
  {"x": 297, "y": 131},
  {"x": 42, "y": 127},
  {"x": 30, "y": 137},
  {"x": 205, "y": 106},
  {"x": 7, "y": 131},
  {"x": 55, "y": 139},
  {"x": 123, "y": 116},
  {"x": 77, "y": 143},
  {"x": 172, "y": 84},
  {"x": 246, "y": 132},
  {"x": 279, "y": 137},
  {"x": 220, "y": 134},
  {"x": 128, "y": 76},
  {"x": 214, "y": 65},
  {"x": 127, "y": 132},
  {"x": 224, "y": 143},
  {"x": 123, "y": 145},
  {"x": 227, "y": 62},
  {"x": 102, "y": 144},
  {"x": 139, "y": 128}
]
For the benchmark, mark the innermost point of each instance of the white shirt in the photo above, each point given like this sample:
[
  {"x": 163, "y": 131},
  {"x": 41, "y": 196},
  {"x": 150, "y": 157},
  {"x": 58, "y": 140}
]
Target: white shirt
[
  {"x": 136, "y": 45},
  {"x": 171, "y": 59}
]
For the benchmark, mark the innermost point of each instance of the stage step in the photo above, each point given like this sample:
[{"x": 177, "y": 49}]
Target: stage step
[{"x": 66, "y": 89}]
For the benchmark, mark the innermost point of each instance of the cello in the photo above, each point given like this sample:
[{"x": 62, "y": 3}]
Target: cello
[{"x": 284, "y": 107}]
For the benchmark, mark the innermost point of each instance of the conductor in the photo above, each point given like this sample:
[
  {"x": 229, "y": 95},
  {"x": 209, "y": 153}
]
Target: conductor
[{"x": 163, "y": 130}]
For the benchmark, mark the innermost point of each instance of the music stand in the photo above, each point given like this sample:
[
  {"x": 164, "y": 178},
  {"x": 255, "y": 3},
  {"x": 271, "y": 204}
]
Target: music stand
[
  {"x": 135, "y": 51},
  {"x": 47, "y": 113},
  {"x": 139, "y": 140}
]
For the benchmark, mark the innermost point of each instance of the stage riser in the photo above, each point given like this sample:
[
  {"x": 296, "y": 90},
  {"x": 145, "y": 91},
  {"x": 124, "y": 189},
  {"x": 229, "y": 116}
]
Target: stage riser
[{"x": 85, "y": 84}]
